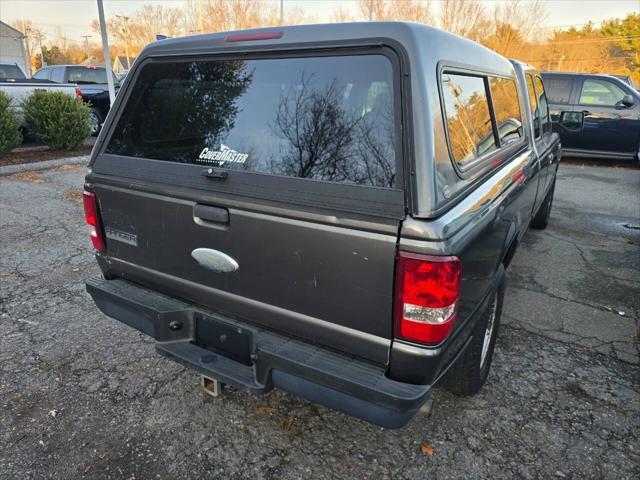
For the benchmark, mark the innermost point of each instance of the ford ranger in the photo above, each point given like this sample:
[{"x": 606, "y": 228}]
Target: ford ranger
[{"x": 328, "y": 209}]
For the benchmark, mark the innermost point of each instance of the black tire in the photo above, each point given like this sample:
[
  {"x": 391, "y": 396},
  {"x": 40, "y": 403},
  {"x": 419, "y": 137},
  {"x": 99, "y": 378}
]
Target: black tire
[
  {"x": 541, "y": 220},
  {"x": 95, "y": 122},
  {"x": 469, "y": 373}
]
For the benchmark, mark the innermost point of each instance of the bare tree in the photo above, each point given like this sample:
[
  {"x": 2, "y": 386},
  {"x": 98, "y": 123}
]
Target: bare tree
[
  {"x": 142, "y": 26},
  {"x": 325, "y": 140},
  {"x": 341, "y": 15},
  {"x": 467, "y": 18},
  {"x": 407, "y": 10}
]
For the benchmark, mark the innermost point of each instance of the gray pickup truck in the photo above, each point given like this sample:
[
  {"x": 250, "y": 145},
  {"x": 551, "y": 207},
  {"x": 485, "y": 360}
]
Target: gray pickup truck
[{"x": 327, "y": 209}]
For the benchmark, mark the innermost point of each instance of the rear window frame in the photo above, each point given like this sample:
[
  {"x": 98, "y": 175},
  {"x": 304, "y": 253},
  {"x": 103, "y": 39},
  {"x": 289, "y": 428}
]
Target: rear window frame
[
  {"x": 494, "y": 158},
  {"x": 401, "y": 110}
]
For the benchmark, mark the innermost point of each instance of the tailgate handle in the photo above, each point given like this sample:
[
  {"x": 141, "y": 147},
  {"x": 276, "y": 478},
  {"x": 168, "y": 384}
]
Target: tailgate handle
[
  {"x": 215, "y": 174},
  {"x": 208, "y": 214}
]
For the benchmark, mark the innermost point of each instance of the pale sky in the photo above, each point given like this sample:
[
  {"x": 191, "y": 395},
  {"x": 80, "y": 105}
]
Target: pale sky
[{"x": 74, "y": 16}]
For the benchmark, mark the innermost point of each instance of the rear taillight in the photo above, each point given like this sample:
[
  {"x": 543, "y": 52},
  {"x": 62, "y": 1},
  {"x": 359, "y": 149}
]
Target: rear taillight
[
  {"x": 93, "y": 219},
  {"x": 426, "y": 297},
  {"x": 78, "y": 92}
]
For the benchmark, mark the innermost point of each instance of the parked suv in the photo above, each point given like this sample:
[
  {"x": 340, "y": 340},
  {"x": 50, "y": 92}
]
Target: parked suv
[
  {"x": 326, "y": 209},
  {"x": 92, "y": 83},
  {"x": 597, "y": 116}
]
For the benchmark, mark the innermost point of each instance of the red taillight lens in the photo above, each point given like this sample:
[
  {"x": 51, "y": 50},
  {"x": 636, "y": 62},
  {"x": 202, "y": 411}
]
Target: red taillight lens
[
  {"x": 247, "y": 37},
  {"x": 426, "y": 297},
  {"x": 78, "y": 92},
  {"x": 93, "y": 219}
]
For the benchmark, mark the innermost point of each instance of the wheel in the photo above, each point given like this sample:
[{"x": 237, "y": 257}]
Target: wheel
[
  {"x": 470, "y": 372},
  {"x": 541, "y": 220},
  {"x": 95, "y": 122}
]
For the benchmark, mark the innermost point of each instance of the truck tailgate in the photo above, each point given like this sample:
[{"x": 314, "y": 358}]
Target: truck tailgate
[{"x": 285, "y": 216}]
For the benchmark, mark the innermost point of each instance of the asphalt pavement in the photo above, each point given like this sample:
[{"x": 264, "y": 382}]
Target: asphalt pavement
[{"x": 82, "y": 396}]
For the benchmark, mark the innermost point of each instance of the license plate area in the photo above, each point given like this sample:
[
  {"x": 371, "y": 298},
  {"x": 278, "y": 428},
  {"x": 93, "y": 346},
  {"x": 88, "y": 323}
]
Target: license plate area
[{"x": 224, "y": 338}]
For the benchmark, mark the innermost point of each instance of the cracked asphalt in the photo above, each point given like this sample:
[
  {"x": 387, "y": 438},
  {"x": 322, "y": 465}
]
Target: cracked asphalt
[{"x": 82, "y": 396}]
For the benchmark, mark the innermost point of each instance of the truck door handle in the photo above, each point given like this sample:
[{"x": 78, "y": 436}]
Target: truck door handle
[{"x": 206, "y": 214}]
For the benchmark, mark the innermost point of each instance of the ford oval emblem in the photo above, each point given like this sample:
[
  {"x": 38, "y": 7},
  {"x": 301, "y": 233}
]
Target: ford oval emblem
[{"x": 215, "y": 260}]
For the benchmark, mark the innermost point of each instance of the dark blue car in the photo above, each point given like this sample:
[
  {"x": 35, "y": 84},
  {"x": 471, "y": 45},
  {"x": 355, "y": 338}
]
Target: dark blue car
[{"x": 597, "y": 116}]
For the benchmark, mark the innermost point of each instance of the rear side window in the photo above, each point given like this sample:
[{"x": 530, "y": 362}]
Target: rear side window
[
  {"x": 601, "y": 92},
  {"x": 559, "y": 88},
  {"x": 467, "y": 116},
  {"x": 328, "y": 118},
  {"x": 533, "y": 103},
  {"x": 504, "y": 96},
  {"x": 543, "y": 106}
]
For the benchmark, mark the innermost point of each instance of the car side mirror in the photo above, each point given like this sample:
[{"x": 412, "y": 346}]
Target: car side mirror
[
  {"x": 572, "y": 121},
  {"x": 628, "y": 101}
]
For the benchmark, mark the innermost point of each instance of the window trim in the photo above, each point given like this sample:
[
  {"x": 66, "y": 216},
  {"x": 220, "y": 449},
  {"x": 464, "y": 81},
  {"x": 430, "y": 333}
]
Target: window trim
[
  {"x": 398, "y": 106},
  {"x": 537, "y": 76},
  {"x": 595, "y": 104},
  {"x": 484, "y": 162},
  {"x": 530, "y": 75}
]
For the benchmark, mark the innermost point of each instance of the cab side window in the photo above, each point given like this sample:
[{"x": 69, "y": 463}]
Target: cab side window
[
  {"x": 504, "y": 97},
  {"x": 533, "y": 102},
  {"x": 467, "y": 117},
  {"x": 543, "y": 107},
  {"x": 601, "y": 93}
]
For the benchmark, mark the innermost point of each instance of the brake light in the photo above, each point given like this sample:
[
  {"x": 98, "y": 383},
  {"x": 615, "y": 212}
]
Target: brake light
[
  {"x": 92, "y": 217},
  {"x": 426, "y": 297},
  {"x": 78, "y": 92},
  {"x": 246, "y": 37}
]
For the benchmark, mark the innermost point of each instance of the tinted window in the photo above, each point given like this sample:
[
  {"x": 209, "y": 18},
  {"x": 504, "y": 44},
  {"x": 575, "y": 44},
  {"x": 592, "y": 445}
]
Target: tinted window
[
  {"x": 533, "y": 103},
  {"x": 57, "y": 74},
  {"x": 87, "y": 75},
  {"x": 559, "y": 88},
  {"x": 11, "y": 71},
  {"x": 506, "y": 108},
  {"x": 42, "y": 74},
  {"x": 543, "y": 106},
  {"x": 323, "y": 118},
  {"x": 467, "y": 116},
  {"x": 601, "y": 92}
]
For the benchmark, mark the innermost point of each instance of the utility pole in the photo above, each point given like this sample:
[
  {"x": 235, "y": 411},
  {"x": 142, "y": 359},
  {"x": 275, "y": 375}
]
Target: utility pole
[
  {"x": 200, "y": 19},
  {"x": 86, "y": 43},
  {"x": 124, "y": 29},
  {"x": 281, "y": 12},
  {"x": 370, "y": 10},
  {"x": 107, "y": 56}
]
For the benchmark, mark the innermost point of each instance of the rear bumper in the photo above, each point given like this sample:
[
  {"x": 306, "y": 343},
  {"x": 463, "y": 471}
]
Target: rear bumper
[{"x": 333, "y": 379}]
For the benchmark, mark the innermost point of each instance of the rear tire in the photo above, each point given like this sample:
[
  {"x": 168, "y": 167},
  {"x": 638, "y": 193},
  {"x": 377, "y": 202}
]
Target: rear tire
[
  {"x": 95, "y": 122},
  {"x": 470, "y": 372},
  {"x": 541, "y": 220}
]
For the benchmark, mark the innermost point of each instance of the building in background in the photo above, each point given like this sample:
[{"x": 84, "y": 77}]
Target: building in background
[
  {"x": 122, "y": 64},
  {"x": 12, "y": 48}
]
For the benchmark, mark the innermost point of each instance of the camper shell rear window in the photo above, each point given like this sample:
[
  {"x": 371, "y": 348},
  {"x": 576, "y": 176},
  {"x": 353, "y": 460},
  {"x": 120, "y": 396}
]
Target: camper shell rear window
[{"x": 331, "y": 117}]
